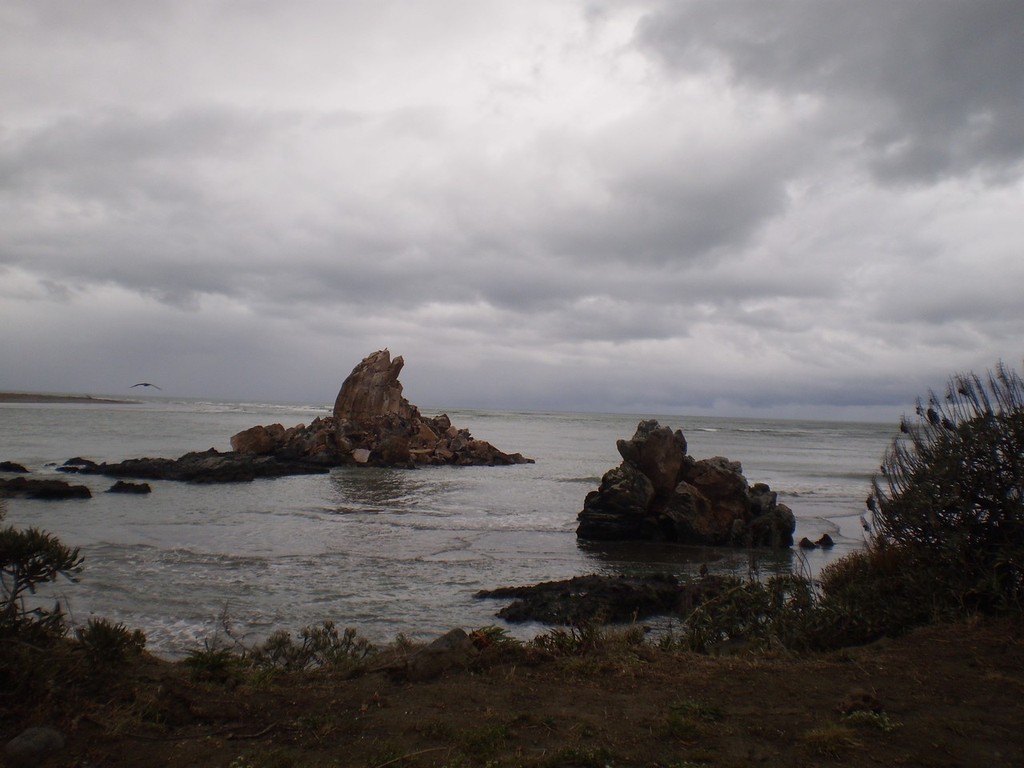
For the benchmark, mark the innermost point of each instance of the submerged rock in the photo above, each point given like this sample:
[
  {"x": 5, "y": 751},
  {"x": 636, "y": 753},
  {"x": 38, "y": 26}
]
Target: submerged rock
[{"x": 660, "y": 493}]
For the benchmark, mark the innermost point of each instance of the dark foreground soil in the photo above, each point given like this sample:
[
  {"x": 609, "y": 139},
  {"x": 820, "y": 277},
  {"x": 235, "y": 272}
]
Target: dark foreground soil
[{"x": 950, "y": 695}]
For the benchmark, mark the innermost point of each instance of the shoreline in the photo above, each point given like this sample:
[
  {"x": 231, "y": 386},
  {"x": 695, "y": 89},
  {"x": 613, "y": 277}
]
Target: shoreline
[{"x": 35, "y": 397}]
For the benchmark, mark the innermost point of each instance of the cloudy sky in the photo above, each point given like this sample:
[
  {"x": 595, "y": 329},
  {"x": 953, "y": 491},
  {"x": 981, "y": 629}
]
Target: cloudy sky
[{"x": 796, "y": 207}]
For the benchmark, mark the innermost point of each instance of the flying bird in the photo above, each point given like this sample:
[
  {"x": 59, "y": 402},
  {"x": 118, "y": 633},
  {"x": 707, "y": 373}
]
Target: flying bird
[{"x": 144, "y": 384}]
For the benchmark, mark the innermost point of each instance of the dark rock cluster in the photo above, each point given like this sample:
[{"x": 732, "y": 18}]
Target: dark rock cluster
[
  {"x": 595, "y": 597},
  {"x": 661, "y": 493}
]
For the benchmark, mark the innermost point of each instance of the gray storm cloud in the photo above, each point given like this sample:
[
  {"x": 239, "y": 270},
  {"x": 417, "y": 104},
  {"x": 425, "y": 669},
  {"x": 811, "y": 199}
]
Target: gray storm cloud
[{"x": 726, "y": 206}]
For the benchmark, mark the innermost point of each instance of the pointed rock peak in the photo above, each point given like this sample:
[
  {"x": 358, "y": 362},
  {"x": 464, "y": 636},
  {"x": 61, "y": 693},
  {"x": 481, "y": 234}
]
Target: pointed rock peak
[{"x": 373, "y": 389}]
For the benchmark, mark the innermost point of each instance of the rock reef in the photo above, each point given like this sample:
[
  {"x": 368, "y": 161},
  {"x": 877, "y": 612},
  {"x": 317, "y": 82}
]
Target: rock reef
[
  {"x": 660, "y": 493},
  {"x": 372, "y": 424},
  {"x": 605, "y": 599}
]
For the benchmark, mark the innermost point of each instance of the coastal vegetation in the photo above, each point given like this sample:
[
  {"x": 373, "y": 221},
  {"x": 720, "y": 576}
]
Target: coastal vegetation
[{"x": 841, "y": 667}]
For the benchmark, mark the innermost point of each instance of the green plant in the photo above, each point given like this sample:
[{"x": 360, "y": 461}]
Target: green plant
[
  {"x": 492, "y": 637},
  {"x": 106, "y": 644},
  {"x": 951, "y": 493},
  {"x": 752, "y": 614},
  {"x": 211, "y": 663},
  {"x": 484, "y": 742},
  {"x": 29, "y": 558},
  {"x": 317, "y": 646},
  {"x": 574, "y": 640}
]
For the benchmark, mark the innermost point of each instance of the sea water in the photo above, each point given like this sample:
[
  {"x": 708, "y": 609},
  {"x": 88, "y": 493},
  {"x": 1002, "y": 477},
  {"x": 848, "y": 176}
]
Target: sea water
[{"x": 387, "y": 551}]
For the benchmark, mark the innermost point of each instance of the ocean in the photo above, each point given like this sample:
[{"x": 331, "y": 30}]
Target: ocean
[{"x": 388, "y": 551}]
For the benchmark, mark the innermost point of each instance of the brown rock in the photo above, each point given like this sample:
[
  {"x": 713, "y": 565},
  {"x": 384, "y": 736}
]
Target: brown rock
[
  {"x": 656, "y": 451},
  {"x": 257, "y": 439},
  {"x": 660, "y": 493},
  {"x": 373, "y": 389}
]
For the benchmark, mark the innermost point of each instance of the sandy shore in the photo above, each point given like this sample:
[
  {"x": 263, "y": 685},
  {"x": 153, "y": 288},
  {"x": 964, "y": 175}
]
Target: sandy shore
[{"x": 35, "y": 397}]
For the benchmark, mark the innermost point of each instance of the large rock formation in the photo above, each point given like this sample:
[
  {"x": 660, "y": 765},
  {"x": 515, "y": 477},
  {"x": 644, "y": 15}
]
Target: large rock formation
[
  {"x": 373, "y": 390},
  {"x": 660, "y": 493},
  {"x": 373, "y": 423}
]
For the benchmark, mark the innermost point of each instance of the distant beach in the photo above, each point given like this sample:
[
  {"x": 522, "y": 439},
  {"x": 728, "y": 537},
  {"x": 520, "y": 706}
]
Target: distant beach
[{"x": 35, "y": 397}]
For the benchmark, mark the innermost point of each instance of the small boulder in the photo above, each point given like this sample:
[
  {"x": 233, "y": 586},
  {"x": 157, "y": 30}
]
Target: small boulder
[
  {"x": 122, "y": 486},
  {"x": 10, "y": 466},
  {"x": 453, "y": 650},
  {"x": 33, "y": 746}
]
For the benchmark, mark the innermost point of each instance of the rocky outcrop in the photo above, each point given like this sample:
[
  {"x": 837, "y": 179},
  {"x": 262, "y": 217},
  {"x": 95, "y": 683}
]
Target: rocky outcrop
[
  {"x": 199, "y": 467},
  {"x": 605, "y": 598},
  {"x": 42, "y": 489},
  {"x": 661, "y": 493},
  {"x": 373, "y": 390},
  {"x": 140, "y": 489},
  {"x": 373, "y": 424}
]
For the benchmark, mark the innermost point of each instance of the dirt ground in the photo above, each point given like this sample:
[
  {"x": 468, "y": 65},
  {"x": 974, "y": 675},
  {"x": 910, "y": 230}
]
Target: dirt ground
[{"x": 950, "y": 695}]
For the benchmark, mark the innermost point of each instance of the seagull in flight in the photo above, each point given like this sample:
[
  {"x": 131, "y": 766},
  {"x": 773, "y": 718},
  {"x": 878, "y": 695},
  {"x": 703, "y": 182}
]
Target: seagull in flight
[{"x": 144, "y": 384}]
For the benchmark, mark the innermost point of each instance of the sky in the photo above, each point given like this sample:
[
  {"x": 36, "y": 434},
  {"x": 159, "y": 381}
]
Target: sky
[{"x": 724, "y": 207}]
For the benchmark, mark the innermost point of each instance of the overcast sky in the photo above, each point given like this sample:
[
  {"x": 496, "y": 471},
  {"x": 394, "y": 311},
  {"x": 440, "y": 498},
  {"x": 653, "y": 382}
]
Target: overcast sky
[{"x": 789, "y": 207}]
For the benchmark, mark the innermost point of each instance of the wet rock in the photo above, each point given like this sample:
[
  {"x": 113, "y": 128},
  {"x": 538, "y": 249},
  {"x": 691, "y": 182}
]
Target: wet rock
[
  {"x": 205, "y": 467},
  {"x": 10, "y": 466},
  {"x": 122, "y": 486},
  {"x": 806, "y": 543},
  {"x": 825, "y": 542},
  {"x": 73, "y": 464},
  {"x": 42, "y": 489},
  {"x": 604, "y": 598}
]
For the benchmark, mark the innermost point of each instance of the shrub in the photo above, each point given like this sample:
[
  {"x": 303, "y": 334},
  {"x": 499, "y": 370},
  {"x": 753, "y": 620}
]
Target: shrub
[
  {"x": 107, "y": 644},
  {"x": 318, "y": 646},
  {"x": 212, "y": 664},
  {"x": 951, "y": 494},
  {"x": 753, "y": 614},
  {"x": 868, "y": 594},
  {"x": 29, "y": 558}
]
